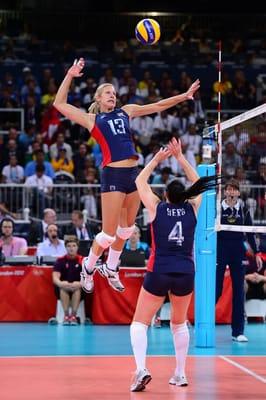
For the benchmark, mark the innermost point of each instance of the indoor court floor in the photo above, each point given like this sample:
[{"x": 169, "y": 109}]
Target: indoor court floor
[{"x": 44, "y": 362}]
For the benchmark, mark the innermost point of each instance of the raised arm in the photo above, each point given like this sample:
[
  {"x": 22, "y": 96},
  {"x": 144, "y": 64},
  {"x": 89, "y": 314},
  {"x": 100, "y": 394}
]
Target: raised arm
[
  {"x": 191, "y": 174},
  {"x": 148, "y": 198},
  {"x": 176, "y": 150},
  {"x": 134, "y": 110},
  {"x": 60, "y": 102}
]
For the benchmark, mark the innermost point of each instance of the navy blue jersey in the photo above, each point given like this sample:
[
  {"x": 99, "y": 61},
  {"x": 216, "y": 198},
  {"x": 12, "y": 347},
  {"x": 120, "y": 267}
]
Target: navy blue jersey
[
  {"x": 173, "y": 238},
  {"x": 112, "y": 132}
]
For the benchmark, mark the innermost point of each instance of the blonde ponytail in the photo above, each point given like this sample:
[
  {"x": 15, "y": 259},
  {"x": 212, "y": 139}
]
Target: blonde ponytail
[{"x": 94, "y": 108}]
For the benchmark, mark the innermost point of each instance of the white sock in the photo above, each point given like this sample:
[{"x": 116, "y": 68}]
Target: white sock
[
  {"x": 113, "y": 258},
  {"x": 138, "y": 336},
  {"x": 181, "y": 342},
  {"x": 91, "y": 261}
]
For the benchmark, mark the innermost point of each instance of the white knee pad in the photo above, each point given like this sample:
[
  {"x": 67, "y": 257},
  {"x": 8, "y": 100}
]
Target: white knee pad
[
  {"x": 104, "y": 240},
  {"x": 125, "y": 233}
]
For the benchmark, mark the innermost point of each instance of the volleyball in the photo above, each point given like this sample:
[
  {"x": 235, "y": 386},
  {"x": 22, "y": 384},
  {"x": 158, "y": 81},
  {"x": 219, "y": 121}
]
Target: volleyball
[{"x": 148, "y": 31}]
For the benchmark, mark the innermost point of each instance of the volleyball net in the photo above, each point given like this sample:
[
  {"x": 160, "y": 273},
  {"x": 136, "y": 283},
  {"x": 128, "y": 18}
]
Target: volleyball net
[{"x": 241, "y": 155}]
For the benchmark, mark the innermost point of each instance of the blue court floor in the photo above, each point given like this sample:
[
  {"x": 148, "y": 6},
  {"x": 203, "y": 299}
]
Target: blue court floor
[{"x": 41, "y": 339}]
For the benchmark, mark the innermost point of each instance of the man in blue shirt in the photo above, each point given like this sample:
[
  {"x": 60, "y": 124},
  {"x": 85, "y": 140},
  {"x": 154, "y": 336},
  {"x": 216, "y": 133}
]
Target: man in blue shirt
[{"x": 30, "y": 168}]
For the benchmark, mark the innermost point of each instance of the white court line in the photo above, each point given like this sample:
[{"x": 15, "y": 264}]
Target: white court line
[
  {"x": 124, "y": 355},
  {"x": 248, "y": 371}
]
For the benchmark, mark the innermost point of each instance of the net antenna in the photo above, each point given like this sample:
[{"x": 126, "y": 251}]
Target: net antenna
[{"x": 219, "y": 134}]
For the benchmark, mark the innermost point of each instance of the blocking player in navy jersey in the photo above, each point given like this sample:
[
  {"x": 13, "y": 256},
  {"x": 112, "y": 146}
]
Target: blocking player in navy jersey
[
  {"x": 120, "y": 202},
  {"x": 170, "y": 268}
]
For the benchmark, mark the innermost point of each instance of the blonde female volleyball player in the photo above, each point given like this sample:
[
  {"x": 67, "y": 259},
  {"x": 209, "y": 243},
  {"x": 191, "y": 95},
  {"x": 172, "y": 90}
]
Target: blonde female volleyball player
[
  {"x": 170, "y": 269},
  {"x": 109, "y": 125}
]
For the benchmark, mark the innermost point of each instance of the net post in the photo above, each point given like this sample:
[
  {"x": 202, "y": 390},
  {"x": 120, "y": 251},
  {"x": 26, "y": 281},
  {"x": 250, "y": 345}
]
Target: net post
[{"x": 205, "y": 256}]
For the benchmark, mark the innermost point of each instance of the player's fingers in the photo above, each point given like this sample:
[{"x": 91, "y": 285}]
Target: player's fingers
[{"x": 81, "y": 63}]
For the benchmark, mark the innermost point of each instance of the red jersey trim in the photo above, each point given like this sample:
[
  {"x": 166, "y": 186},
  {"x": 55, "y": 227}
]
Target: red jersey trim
[
  {"x": 151, "y": 260},
  {"x": 99, "y": 137}
]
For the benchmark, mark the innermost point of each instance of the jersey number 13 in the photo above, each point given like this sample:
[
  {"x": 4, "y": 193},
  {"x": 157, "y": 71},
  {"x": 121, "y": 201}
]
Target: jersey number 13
[{"x": 117, "y": 126}]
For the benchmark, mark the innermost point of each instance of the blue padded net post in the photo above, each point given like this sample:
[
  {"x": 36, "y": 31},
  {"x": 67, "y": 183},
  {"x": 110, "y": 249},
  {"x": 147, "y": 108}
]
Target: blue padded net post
[{"x": 205, "y": 257}]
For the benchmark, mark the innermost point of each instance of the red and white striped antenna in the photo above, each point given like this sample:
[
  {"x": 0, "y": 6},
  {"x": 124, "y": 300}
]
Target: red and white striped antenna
[
  {"x": 219, "y": 135},
  {"x": 219, "y": 107}
]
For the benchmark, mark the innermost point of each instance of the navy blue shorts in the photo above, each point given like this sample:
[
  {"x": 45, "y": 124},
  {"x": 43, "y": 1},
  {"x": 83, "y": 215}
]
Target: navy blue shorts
[
  {"x": 179, "y": 284},
  {"x": 120, "y": 179}
]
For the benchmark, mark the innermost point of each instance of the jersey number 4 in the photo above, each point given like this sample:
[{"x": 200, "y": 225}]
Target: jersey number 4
[
  {"x": 117, "y": 126},
  {"x": 176, "y": 234}
]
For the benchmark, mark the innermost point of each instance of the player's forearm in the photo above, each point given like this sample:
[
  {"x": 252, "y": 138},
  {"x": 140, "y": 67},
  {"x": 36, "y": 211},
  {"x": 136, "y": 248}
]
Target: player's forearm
[
  {"x": 61, "y": 95},
  {"x": 144, "y": 175},
  {"x": 190, "y": 172},
  {"x": 171, "y": 101}
]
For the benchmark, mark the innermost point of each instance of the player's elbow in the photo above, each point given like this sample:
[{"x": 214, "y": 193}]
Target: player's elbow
[
  {"x": 137, "y": 181},
  {"x": 56, "y": 104}
]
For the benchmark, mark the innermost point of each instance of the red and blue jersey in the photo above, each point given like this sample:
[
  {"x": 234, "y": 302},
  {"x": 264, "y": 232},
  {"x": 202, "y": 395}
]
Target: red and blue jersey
[
  {"x": 112, "y": 132},
  {"x": 172, "y": 233}
]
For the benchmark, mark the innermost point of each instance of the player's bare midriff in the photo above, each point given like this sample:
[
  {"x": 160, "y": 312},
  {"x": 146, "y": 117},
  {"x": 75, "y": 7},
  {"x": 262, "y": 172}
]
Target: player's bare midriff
[{"x": 128, "y": 162}]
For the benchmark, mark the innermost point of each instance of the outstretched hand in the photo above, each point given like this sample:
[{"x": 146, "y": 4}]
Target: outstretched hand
[
  {"x": 175, "y": 148},
  {"x": 75, "y": 70},
  {"x": 193, "y": 88},
  {"x": 162, "y": 154}
]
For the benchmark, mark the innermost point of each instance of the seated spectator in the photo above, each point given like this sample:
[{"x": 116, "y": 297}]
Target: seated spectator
[
  {"x": 13, "y": 172},
  {"x": 26, "y": 137},
  {"x": 39, "y": 159},
  {"x": 52, "y": 245},
  {"x": 255, "y": 280},
  {"x": 12, "y": 149},
  {"x": 192, "y": 141},
  {"x": 42, "y": 187},
  {"x": 50, "y": 121},
  {"x": 184, "y": 118},
  {"x": 11, "y": 245},
  {"x": 246, "y": 191},
  {"x": 240, "y": 139},
  {"x": 60, "y": 142},
  {"x": 49, "y": 95},
  {"x": 89, "y": 195},
  {"x": 134, "y": 243},
  {"x": 66, "y": 278},
  {"x": 198, "y": 107},
  {"x": 243, "y": 92},
  {"x": 38, "y": 229},
  {"x": 108, "y": 77},
  {"x": 142, "y": 128},
  {"x": 81, "y": 229},
  {"x": 164, "y": 177},
  {"x": 259, "y": 193},
  {"x": 62, "y": 162},
  {"x": 37, "y": 144},
  {"x": 165, "y": 125},
  {"x": 230, "y": 160},
  {"x": 79, "y": 158}
]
